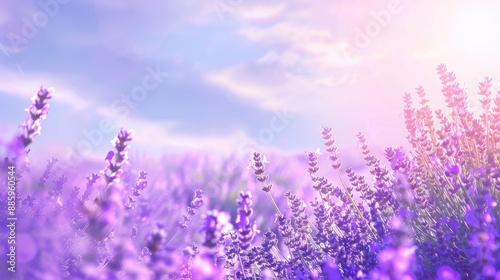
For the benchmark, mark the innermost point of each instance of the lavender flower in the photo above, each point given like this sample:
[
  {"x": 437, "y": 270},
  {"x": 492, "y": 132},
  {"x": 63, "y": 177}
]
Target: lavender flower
[
  {"x": 113, "y": 171},
  {"x": 258, "y": 164},
  {"x": 216, "y": 224},
  {"x": 432, "y": 213},
  {"x": 38, "y": 111},
  {"x": 330, "y": 148},
  {"x": 195, "y": 204},
  {"x": 91, "y": 180},
  {"x": 31, "y": 127},
  {"x": 246, "y": 230},
  {"x": 140, "y": 185}
]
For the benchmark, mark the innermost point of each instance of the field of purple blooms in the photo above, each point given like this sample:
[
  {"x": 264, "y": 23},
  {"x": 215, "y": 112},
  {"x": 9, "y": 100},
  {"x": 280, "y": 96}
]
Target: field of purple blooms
[{"x": 430, "y": 212}]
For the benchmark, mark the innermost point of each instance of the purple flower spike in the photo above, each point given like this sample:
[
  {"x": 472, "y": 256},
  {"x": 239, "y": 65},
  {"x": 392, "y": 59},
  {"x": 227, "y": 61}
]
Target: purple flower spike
[
  {"x": 194, "y": 205},
  {"x": 258, "y": 164},
  {"x": 37, "y": 111},
  {"x": 331, "y": 148},
  {"x": 113, "y": 171},
  {"x": 246, "y": 230},
  {"x": 313, "y": 162},
  {"x": 197, "y": 203},
  {"x": 141, "y": 183}
]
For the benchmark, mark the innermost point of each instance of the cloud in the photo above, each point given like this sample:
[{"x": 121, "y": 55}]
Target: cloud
[
  {"x": 305, "y": 63},
  {"x": 314, "y": 51},
  {"x": 151, "y": 137},
  {"x": 312, "y": 64},
  {"x": 260, "y": 11},
  {"x": 137, "y": 30},
  {"x": 25, "y": 85}
]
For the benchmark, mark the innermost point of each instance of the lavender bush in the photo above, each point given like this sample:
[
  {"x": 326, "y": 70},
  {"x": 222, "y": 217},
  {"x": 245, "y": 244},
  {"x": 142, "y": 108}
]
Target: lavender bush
[{"x": 430, "y": 212}]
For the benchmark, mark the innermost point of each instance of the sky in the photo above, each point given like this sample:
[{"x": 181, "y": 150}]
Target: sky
[{"x": 233, "y": 76}]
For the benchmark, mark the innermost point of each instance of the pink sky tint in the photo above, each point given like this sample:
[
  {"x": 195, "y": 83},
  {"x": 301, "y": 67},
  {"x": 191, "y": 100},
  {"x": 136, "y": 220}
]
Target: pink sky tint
[
  {"x": 344, "y": 64},
  {"x": 402, "y": 43}
]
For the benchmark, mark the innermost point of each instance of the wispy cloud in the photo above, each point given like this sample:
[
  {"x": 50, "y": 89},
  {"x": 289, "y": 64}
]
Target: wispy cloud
[
  {"x": 24, "y": 85},
  {"x": 137, "y": 30}
]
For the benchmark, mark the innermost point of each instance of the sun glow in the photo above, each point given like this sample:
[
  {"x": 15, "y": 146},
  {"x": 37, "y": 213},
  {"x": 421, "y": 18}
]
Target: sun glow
[{"x": 475, "y": 31}]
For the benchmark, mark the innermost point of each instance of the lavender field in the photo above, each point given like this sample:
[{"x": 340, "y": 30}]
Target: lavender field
[
  {"x": 234, "y": 139},
  {"x": 429, "y": 212}
]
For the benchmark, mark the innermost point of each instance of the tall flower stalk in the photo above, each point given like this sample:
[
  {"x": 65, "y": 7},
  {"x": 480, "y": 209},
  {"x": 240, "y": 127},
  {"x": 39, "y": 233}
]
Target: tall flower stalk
[
  {"x": 258, "y": 164},
  {"x": 31, "y": 127},
  {"x": 113, "y": 170}
]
